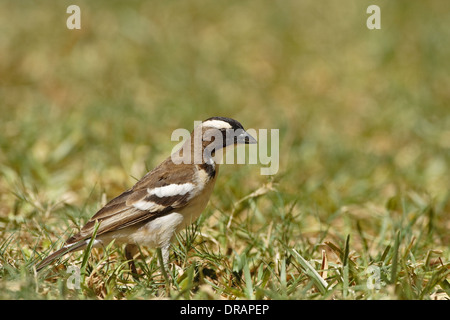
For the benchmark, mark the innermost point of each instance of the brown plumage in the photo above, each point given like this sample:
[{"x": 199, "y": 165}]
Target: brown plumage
[
  {"x": 119, "y": 213},
  {"x": 164, "y": 201}
]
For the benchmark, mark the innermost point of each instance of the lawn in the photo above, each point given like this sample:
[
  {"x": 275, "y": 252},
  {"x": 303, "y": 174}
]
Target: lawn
[{"x": 360, "y": 205}]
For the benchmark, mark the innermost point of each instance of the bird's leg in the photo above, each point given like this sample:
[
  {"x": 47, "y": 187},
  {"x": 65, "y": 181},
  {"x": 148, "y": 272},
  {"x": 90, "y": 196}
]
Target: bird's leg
[{"x": 131, "y": 251}]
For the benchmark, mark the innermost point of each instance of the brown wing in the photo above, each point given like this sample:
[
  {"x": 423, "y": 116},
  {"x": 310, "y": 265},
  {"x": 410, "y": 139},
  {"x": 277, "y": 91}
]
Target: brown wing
[{"x": 120, "y": 212}]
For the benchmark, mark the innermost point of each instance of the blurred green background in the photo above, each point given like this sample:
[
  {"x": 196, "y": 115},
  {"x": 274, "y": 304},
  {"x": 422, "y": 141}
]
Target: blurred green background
[{"x": 363, "y": 114}]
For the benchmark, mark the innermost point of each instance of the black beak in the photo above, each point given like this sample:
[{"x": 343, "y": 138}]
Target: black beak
[{"x": 245, "y": 138}]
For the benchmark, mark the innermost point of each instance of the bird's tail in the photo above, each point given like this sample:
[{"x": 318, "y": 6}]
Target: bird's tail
[{"x": 55, "y": 255}]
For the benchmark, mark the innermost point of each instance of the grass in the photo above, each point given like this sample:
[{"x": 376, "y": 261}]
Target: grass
[{"x": 362, "y": 189}]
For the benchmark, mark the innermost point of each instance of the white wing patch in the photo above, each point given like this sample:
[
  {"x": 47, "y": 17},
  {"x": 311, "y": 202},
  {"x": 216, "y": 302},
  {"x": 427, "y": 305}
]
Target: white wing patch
[
  {"x": 171, "y": 190},
  {"x": 147, "y": 206}
]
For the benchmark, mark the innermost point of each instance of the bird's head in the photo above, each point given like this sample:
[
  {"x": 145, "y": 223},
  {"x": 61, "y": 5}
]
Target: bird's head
[
  {"x": 210, "y": 136},
  {"x": 221, "y": 132}
]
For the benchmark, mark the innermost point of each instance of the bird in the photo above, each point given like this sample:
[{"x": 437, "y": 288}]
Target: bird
[{"x": 165, "y": 200}]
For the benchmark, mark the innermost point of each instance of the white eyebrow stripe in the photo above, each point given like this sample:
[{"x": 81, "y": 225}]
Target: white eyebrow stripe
[
  {"x": 218, "y": 124},
  {"x": 171, "y": 190}
]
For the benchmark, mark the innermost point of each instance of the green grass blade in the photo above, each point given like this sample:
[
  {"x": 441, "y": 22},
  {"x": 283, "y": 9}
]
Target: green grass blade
[
  {"x": 88, "y": 249},
  {"x": 394, "y": 265},
  {"x": 345, "y": 281},
  {"x": 346, "y": 251},
  {"x": 248, "y": 281},
  {"x": 319, "y": 282}
]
